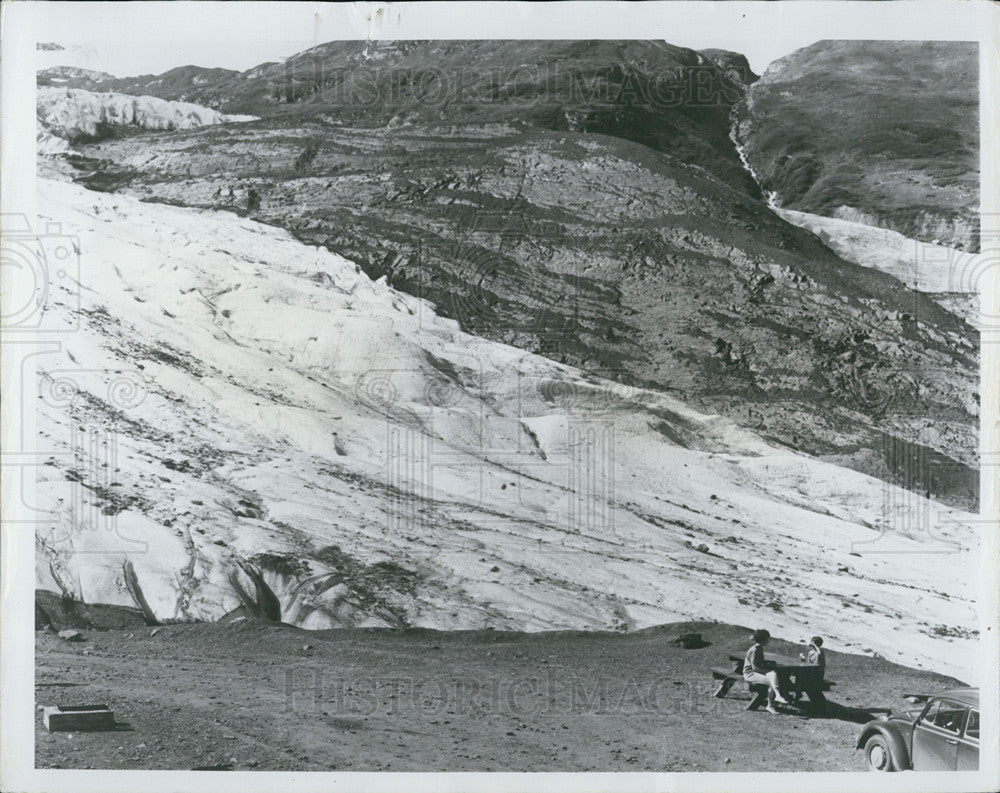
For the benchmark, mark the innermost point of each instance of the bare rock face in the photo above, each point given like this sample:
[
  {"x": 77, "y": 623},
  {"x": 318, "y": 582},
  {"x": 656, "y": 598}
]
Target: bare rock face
[
  {"x": 883, "y": 133},
  {"x": 735, "y": 64},
  {"x": 620, "y": 236}
]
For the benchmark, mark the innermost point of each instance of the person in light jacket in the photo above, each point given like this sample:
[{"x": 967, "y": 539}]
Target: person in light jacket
[{"x": 757, "y": 669}]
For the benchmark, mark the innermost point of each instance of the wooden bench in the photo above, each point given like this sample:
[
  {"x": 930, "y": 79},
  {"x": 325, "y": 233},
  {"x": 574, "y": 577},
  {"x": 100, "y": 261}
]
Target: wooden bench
[{"x": 729, "y": 678}]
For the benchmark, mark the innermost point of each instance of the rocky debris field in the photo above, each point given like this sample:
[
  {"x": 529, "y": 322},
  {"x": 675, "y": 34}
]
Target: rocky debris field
[{"x": 255, "y": 696}]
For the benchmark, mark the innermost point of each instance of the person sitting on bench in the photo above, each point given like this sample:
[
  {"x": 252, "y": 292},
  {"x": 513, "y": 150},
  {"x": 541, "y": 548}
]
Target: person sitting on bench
[
  {"x": 815, "y": 655},
  {"x": 810, "y": 681},
  {"x": 756, "y": 669}
]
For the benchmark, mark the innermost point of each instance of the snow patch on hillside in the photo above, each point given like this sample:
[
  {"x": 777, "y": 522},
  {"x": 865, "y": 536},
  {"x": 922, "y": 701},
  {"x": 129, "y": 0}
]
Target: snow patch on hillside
[
  {"x": 62, "y": 74},
  {"x": 241, "y": 416}
]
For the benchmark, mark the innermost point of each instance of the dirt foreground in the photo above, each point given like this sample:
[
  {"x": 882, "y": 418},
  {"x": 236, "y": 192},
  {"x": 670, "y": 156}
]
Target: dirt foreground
[{"x": 257, "y": 696}]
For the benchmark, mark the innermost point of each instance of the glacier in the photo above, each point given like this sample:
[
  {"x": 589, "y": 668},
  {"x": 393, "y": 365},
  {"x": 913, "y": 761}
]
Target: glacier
[
  {"x": 232, "y": 409},
  {"x": 71, "y": 113}
]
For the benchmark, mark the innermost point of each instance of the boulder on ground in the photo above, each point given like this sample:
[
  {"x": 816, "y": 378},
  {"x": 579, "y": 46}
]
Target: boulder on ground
[{"x": 691, "y": 641}]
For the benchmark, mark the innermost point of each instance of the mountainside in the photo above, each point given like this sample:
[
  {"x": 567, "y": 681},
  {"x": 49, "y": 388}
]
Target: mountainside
[
  {"x": 604, "y": 230},
  {"x": 945, "y": 274},
  {"x": 285, "y": 437},
  {"x": 491, "y": 335},
  {"x": 175, "y": 84},
  {"x": 667, "y": 97},
  {"x": 884, "y": 133},
  {"x": 71, "y": 77},
  {"x": 78, "y": 115}
]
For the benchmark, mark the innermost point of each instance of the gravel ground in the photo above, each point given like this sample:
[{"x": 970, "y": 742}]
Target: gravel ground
[{"x": 258, "y": 696}]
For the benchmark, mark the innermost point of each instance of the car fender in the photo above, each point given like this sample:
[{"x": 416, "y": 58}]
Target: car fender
[{"x": 893, "y": 736}]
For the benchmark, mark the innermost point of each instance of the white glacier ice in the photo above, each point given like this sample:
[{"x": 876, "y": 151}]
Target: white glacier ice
[
  {"x": 73, "y": 112},
  {"x": 277, "y": 400}
]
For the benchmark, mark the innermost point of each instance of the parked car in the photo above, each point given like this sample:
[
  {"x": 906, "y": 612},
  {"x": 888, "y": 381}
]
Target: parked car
[{"x": 942, "y": 734}]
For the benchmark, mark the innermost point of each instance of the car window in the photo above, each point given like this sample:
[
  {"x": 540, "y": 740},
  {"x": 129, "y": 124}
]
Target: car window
[
  {"x": 949, "y": 716},
  {"x": 930, "y": 713},
  {"x": 972, "y": 728}
]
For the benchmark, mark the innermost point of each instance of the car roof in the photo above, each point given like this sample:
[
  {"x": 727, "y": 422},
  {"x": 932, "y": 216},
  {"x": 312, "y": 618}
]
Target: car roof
[{"x": 967, "y": 696}]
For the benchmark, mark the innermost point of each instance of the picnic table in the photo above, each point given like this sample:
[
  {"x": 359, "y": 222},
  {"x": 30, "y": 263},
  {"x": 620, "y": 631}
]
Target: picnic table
[{"x": 800, "y": 677}]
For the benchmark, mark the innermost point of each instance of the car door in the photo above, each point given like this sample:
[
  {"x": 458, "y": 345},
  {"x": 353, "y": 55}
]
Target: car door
[
  {"x": 968, "y": 744},
  {"x": 935, "y": 736}
]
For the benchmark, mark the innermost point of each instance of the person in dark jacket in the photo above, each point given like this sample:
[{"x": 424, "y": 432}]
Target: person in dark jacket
[
  {"x": 757, "y": 669},
  {"x": 810, "y": 680},
  {"x": 815, "y": 655}
]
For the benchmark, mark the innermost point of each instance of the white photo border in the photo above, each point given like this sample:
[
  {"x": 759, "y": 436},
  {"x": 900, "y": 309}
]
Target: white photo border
[{"x": 25, "y": 23}]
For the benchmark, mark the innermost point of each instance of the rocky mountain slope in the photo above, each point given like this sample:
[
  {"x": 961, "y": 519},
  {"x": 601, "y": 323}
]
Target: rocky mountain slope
[
  {"x": 241, "y": 422},
  {"x": 945, "y": 274},
  {"x": 71, "y": 77},
  {"x": 79, "y": 116},
  {"x": 604, "y": 229},
  {"x": 173, "y": 84},
  {"x": 883, "y": 133},
  {"x": 667, "y": 97}
]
